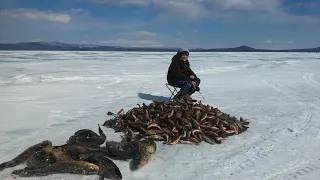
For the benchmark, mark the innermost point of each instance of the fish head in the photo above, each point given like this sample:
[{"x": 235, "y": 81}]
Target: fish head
[
  {"x": 150, "y": 145},
  {"x": 46, "y": 143}
]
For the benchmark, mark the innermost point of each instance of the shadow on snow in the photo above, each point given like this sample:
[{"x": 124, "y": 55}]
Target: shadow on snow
[{"x": 153, "y": 97}]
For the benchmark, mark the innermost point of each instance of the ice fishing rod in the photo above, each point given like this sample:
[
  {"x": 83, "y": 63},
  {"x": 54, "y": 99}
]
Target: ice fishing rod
[{"x": 201, "y": 95}]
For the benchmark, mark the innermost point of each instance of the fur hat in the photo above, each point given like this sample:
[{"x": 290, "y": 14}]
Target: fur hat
[{"x": 183, "y": 51}]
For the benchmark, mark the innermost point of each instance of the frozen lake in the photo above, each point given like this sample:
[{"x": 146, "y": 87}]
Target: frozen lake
[{"x": 48, "y": 95}]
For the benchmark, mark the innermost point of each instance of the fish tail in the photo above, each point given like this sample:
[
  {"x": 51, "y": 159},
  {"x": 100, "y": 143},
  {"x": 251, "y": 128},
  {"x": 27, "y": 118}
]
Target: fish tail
[{"x": 3, "y": 166}]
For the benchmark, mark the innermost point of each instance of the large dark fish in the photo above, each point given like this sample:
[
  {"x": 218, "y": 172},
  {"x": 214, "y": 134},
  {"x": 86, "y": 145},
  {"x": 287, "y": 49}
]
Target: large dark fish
[
  {"x": 40, "y": 159},
  {"x": 122, "y": 150},
  {"x": 72, "y": 167},
  {"x": 87, "y": 137},
  {"x": 58, "y": 153},
  {"x": 147, "y": 148},
  {"x": 25, "y": 155},
  {"x": 80, "y": 152},
  {"x": 108, "y": 169},
  {"x": 91, "y": 164}
]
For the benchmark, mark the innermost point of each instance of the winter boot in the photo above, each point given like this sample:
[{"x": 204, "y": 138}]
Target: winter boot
[
  {"x": 187, "y": 98},
  {"x": 177, "y": 96}
]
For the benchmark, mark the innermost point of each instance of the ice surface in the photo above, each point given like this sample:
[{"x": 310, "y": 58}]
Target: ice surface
[{"x": 50, "y": 95}]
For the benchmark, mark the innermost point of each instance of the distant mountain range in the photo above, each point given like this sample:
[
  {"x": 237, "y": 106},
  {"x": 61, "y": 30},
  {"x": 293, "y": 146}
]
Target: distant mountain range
[{"x": 58, "y": 46}]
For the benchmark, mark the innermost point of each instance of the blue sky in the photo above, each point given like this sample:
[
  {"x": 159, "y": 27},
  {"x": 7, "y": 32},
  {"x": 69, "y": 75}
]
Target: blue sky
[{"x": 272, "y": 24}]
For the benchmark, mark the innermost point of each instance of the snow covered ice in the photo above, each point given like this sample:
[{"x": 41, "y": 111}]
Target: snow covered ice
[{"x": 48, "y": 95}]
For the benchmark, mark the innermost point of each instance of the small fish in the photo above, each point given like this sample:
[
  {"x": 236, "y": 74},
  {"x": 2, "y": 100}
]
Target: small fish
[
  {"x": 171, "y": 114},
  {"x": 166, "y": 137},
  {"x": 176, "y": 107},
  {"x": 197, "y": 107},
  {"x": 178, "y": 125},
  {"x": 134, "y": 124},
  {"x": 154, "y": 125},
  {"x": 198, "y": 115},
  {"x": 155, "y": 137},
  {"x": 211, "y": 117},
  {"x": 121, "y": 112},
  {"x": 208, "y": 140},
  {"x": 150, "y": 131},
  {"x": 188, "y": 142},
  {"x": 210, "y": 128},
  {"x": 175, "y": 141},
  {"x": 146, "y": 116},
  {"x": 143, "y": 157},
  {"x": 134, "y": 116},
  {"x": 211, "y": 133},
  {"x": 195, "y": 124},
  {"x": 229, "y": 132},
  {"x": 195, "y": 131},
  {"x": 195, "y": 140},
  {"x": 235, "y": 128},
  {"x": 204, "y": 117}
]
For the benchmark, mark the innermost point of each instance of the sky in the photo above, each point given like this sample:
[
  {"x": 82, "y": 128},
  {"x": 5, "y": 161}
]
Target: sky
[{"x": 270, "y": 24}]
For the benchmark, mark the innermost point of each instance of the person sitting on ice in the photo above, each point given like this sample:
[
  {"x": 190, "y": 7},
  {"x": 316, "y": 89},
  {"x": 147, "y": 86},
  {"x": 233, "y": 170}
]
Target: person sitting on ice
[{"x": 180, "y": 75}]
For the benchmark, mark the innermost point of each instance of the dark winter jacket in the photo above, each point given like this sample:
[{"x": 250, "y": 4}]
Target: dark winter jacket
[{"x": 179, "y": 71}]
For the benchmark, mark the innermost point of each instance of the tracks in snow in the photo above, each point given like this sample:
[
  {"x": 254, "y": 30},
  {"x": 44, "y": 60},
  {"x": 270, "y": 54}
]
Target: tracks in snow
[
  {"x": 272, "y": 143},
  {"x": 296, "y": 168},
  {"x": 308, "y": 107},
  {"x": 293, "y": 170},
  {"x": 310, "y": 79}
]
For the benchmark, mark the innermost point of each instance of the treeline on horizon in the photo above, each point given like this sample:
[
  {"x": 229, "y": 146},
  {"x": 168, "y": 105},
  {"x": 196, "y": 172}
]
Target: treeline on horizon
[{"x": 57, "y": 46}]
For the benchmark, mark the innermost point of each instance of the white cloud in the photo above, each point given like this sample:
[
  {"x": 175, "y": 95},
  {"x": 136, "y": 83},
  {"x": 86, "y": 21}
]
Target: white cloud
[
  {"x": 194, "y": 10},
  {"x": 36, "y": 15},
  {"x": 182, "y": 9},
  {"x": 261, "y": 10},
  {"x": 143, "y": 33},
  {"x": 248, "y": 5},
  {"x": 197, "y": 9},
  {"x": 269, "y": 41},
  {"x": 133, "y": 43},
  {"x": 77, "y": 11},
  {"x": 124, "y": 2},
  {"x": 287, "y": 18},
  {"x": 189, "y": 6}
]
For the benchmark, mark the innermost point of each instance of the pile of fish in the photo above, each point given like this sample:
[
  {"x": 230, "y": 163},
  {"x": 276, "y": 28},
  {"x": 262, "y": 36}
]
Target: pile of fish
[
  {"x": 175, "y": 122},
  {"x": 83, "y": 153}
]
